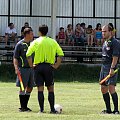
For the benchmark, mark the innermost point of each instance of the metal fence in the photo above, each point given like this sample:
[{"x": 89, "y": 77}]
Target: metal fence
[{"x": 38, "y": 12}]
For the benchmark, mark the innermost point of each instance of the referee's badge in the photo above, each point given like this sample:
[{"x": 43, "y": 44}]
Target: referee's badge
[
  {"x": 25, "y": 50},
  {"x": 107, "y": 48}
]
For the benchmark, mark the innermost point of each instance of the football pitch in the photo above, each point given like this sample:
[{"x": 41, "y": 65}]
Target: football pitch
[{"x": 80, "y": 101}]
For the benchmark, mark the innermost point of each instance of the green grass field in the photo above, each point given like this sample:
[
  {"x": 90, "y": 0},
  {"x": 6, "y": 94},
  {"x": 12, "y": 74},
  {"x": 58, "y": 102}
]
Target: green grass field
[{"x": 80, "y": 101}]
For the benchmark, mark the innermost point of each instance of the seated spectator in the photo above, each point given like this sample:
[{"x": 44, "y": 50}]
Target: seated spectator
[
  {"x": 83, "y": 28},
  {"x": 61, "y": 36},
  {"x": 10, "y": 34},
  {"x": 26, "y": 25},
  {"x": 78, "y": 35},
  {"x": 98, "y": 35},
  {"x": 90, "y": 35},
  {"x": 114, "y": 30},
  {"x": 70, "y": 35}
]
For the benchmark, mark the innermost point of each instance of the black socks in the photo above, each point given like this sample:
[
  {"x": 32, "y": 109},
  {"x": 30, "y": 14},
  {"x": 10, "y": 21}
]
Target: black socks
[
  {"x": 51, "y": 99},
  {"x": 24, "y": 98},
  {"x": 41, "y": 100},
  {"x": 106, "y": 98},
  {"x": 22, "y": 101},
  {"x": 115, "y": 101}
]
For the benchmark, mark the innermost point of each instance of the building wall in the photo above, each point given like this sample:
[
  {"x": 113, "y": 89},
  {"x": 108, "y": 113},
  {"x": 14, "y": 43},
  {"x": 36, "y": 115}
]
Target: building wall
[{"x": 38, "y": 12}]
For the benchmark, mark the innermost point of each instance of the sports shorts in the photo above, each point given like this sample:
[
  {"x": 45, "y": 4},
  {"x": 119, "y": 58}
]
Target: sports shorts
[
  {"x": 104, "y": 72},
  {"x": 27, "y": 75},
  {"x": 44, "y": 74}
]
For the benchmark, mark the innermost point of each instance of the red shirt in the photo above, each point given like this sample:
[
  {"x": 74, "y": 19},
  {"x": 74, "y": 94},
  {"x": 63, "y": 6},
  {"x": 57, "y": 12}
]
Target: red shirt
[{"x": 61, "y": 35}]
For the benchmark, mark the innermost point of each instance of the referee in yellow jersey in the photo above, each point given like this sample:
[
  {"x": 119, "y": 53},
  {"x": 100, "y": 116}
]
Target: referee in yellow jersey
[{"x": 45, "y": 49}]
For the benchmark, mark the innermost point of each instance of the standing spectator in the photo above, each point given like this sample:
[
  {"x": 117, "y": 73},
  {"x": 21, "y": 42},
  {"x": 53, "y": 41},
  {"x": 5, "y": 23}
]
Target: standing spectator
[
  {"x": 90, "y": 36},
  {"x": 26, "y": 25},
  {"x": 70, "y": 35},
  {"x": 21, "y": 64},
  {"x": 10, "y": 34},
  {"x": 98, "y": 34},
  {"x": 61, "y": 36},
  {"x": 110, "y": 57},
  {"x": 114, "y": 30},
  {"x": 45, "y": 50}
]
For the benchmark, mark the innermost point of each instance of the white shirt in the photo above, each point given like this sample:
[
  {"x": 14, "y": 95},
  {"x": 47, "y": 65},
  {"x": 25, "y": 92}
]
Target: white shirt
[{"x": 10, "y": 31}]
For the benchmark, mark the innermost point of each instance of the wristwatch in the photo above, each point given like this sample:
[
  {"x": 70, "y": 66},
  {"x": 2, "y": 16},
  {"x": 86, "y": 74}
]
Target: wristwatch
[{"x": 112, "y": 68}]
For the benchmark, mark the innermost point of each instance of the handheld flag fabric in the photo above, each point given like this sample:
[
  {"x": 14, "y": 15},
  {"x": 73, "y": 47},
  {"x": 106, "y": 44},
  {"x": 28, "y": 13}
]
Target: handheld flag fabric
[
  {"x": 20, "y": 78},
  {"x": 107, "y": 77}
]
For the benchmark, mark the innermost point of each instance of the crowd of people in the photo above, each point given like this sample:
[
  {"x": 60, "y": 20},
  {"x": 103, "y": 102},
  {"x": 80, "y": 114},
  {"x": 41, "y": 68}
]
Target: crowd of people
[
  {"x": 11, "y": 33},
  {"x": 82, "y": 35},
  {"x": 79, "y": 36}
]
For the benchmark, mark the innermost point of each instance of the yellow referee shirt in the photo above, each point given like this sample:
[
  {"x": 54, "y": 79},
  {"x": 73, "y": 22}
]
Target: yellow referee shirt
[{"x": 45, "y": 50}]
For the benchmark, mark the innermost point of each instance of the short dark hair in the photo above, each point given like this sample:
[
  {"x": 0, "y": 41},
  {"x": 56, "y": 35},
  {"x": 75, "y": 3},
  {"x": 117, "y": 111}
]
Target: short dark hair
[
  {"x": 10, "y": 24},
  {"x": 78, "y": 24},
  {"x": 61, "y": 28},
  {"x": 26, "y": 23},
  {"x": 69, "y": 25},
  {"x": 43, "y": 29},
  {"x": 27, "y": 31},
  {"x": 98, "y": 24},
  {"x": 110, "y": 28},
  {"x": 89, "y": 26},
  {"x": 82, "y": 24}
]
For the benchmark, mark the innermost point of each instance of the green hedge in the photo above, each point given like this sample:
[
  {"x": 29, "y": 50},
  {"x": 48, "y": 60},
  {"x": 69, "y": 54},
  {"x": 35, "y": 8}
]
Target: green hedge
[
  {"x": 7, "y": 73},
  {"x": 66, "y": 73},
  {"x": 77, "y": 72}
]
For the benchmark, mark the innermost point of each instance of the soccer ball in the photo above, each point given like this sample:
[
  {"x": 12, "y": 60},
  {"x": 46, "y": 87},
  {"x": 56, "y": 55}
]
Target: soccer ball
[{"x": 58, "y": 108}]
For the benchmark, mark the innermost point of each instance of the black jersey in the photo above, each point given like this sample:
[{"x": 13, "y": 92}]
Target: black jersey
[
  {"x": 20, "y": 53},
  {"x": 110, "y": 48}
]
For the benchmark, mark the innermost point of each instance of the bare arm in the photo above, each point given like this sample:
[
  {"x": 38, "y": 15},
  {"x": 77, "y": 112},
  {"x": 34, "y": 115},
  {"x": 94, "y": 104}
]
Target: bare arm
[
  {"x": 15, "y": 62},
  {"x": 114, "y": 63},
  {"x": 58, "y": 62},
  {"x": 30, "y": 61}
]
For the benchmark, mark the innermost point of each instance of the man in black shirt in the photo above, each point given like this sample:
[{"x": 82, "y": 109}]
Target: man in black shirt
[
  {"x": 21, "y": 64},
  {"x": 110, "y": 57},
  {"x": 26, "y": 25}
]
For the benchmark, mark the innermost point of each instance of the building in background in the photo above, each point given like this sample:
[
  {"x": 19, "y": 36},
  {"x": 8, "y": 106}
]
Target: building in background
[{"x": 37, "y": 12}]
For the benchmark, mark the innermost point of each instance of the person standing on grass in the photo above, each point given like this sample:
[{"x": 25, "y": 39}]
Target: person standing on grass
[
  {"x": 21, "y": 64},
  {"x": 46, "y": 49},
  {"x": 110, "y": 57}
]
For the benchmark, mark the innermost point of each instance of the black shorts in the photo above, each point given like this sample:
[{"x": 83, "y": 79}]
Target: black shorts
[{"x": 44, "y": 74}]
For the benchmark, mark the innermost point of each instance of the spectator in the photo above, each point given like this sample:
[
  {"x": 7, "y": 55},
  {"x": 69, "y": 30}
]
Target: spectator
[
  {"x": 83, "y": 28},
  {"x": 114, "y": 30},
  {"x": 78, "y": 35},
  {"x": 61, "y": 36},
  {"x": 98, "y": 34},
  {"x": 10, "y": 34},
  {"x": 90, "y": 36},
  {"x": 70, "y": 35},
  {"x": 26, "y": 25}
]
